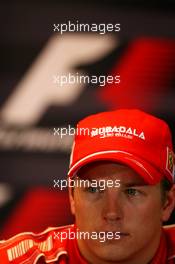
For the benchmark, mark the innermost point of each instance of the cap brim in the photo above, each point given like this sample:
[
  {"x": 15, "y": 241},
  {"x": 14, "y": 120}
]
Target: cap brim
[{"x": 149, "y": 173}]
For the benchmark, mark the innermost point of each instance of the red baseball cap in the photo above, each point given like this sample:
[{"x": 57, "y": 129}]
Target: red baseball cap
[{"x": 127, "y": 136}]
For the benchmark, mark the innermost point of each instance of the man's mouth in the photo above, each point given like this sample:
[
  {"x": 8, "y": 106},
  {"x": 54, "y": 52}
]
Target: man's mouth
[{"x": 113, "y": 234}]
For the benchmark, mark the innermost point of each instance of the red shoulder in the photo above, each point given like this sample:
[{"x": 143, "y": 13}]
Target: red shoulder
[
  {"x": 170, "y": 237},
  {"x": 50, "y": 244}
]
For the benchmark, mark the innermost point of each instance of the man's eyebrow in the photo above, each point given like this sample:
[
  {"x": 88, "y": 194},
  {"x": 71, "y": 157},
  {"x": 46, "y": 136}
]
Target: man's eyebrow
[{"x": 126, "y": 184}]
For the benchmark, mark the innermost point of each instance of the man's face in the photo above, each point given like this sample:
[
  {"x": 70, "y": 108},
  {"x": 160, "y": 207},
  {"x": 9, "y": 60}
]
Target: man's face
[{"x": 134, "y": 209}]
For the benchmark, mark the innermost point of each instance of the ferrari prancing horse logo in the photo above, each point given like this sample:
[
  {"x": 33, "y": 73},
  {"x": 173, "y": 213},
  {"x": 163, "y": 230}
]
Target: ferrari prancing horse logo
[{"x": 170, "y": 164}]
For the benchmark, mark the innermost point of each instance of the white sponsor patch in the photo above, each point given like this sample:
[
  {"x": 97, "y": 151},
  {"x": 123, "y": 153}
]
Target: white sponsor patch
[{"x": 118, "y": 131}]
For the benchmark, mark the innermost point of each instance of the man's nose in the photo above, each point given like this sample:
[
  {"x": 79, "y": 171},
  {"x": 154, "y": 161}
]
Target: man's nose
[{"x": 112, "y": 210}]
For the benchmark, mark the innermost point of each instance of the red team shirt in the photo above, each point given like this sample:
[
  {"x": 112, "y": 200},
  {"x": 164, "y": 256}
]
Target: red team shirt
[{"x": 47, "y": 247}]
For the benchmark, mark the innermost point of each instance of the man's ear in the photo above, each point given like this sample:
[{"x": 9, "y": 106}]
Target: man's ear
[
  {"x": 71, "y": 199},
  {"x": 169, "y": 204}
]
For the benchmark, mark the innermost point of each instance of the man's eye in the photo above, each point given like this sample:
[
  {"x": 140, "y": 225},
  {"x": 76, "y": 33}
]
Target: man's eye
[
  {"x": 92, "y": 189},
  {"x": 132, "y": 192}
]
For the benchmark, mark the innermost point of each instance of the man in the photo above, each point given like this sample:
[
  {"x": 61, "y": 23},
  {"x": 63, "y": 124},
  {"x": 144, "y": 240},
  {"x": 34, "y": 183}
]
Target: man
[{"x": 121, "y": 191}]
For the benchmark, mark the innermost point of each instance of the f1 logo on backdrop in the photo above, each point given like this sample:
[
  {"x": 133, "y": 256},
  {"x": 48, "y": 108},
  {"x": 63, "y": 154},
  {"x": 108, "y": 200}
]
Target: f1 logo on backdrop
[{"x": 39, "y": 88}]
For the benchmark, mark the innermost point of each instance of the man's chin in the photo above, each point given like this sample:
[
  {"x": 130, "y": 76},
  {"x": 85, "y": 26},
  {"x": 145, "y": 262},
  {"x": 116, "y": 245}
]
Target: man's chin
[
  {"x": 111, "y": 247},
  {"x": 109, "y": 251}
]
